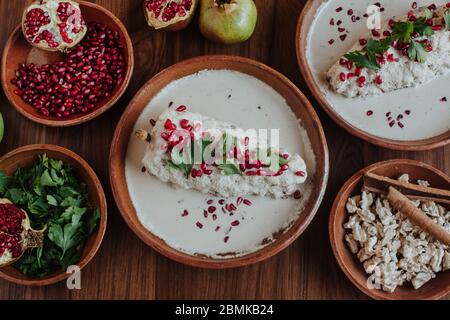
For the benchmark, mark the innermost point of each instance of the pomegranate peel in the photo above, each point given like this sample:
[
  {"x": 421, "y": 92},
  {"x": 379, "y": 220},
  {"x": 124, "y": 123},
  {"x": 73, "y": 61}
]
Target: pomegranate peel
[
  {"x": 53, "y": 25},
  {"x": 16, "y": 234},
  {"x": 169, "y": 15}
]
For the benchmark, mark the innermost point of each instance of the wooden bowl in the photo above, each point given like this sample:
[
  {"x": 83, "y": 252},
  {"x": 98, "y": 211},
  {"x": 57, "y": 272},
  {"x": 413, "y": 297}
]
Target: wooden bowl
[
  {"x": 434, "y": 289},
  {"x": 26, "y": 157},
  {"x": 302, "y": 109},
  {"x": 18, "y": 50},
  {"x": 304, "y": 23}
]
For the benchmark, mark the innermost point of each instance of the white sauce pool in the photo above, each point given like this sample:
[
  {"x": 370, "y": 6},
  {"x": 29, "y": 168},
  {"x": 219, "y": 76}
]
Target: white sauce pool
[
  {"x": 429, "y": 116},
  {"x": 241, "y": 100}
]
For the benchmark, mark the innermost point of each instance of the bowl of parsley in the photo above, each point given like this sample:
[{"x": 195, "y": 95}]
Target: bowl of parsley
[{"x": 60, "y": 194}]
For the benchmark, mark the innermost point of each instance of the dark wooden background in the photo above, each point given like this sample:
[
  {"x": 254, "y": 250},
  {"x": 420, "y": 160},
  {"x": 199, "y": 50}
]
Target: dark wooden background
[{"x": 125, "y": 268}]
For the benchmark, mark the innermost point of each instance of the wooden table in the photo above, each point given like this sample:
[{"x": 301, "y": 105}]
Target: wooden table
[{"x": 125, "y": 268}]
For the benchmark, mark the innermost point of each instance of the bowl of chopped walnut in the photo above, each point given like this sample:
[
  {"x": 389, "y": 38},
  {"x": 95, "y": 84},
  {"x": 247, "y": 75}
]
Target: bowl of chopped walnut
[{"x": 380, "y": 249}]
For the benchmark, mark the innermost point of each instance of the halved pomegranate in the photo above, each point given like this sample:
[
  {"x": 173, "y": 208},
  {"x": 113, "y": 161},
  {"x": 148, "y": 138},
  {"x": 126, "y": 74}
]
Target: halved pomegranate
[
  {"x": 16, "y": 234},
  {"x": 171, "y": 15},
  {"x": 53, "y": 25}
]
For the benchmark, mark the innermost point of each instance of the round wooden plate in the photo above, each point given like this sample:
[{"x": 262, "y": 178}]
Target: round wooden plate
[
  {"x": 353, "y": 269},
  {"x": 303, "y": 28},
  {"x": 299, "y": 104},
  {"x": 26, "y": 157},
  {"x": 17, "y": 50}
]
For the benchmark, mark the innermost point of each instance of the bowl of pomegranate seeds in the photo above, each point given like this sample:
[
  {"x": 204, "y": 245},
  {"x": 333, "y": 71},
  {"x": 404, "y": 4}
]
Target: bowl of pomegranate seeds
[
  {"x": 73, "y": 75},
  {"x": 53, "y": 215}
]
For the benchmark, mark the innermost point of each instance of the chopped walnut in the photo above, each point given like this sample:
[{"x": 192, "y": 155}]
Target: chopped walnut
[{"x": 392, "y": 249}]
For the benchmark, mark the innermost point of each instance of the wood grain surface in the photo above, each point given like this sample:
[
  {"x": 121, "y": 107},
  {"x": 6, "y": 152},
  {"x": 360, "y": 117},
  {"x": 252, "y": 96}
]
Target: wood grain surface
[{"x": 125, "y": 268}]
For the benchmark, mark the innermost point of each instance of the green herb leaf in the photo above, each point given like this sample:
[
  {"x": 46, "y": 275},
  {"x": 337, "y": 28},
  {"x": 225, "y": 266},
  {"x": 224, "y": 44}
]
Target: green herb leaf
[
  {"x": 51, "y": 200},
  {"x": 362, "y": 60},
  {"x": 403, "y": 31},
  {"x": 417, "y": 52},
  {"x": 447, "y": 19},
  {"x": 229, "y": 169},
  {"x": 422, "y": 28}
]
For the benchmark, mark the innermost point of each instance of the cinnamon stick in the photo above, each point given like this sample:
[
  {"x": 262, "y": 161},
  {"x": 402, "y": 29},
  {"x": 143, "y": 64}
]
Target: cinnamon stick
[
  {"x": 380, "y": 184},
  {"x": 401, "y": 203}
]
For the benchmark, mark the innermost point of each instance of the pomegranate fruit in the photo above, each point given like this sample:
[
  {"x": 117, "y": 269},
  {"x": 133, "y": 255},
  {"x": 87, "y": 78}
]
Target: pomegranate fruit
[
  {"x": 228, "y": 21},
  {"x": 16, "y": 234},
  {"x": 53, "y": 25},
  {"x": 89, "y": 74},
  {"x": 170, "y": 15}
]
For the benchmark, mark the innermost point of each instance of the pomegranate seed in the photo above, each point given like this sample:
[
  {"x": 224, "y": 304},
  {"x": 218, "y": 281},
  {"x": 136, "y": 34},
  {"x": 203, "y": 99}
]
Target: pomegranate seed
[
  {"x": 448, "y": 5},
  {"x": 386, "y": 33},
  {"x": 331, "y": 41},
  {"x": 378, "y": 79},
  {"x": 199, "y": 225},
  {"x": 343, "y": 62},
  {"x": 361, "y": 81},
  {"x": 392, "y": 123},
  {"x": 298, "y": 195},
  {"x": 169, "y": 125},
  {"x": 444, "y": 99},
  {"x": 437, "y": 27},
  {"x": 185, "y": 213},
  {"x": 358, "y": 71},
  {"x": 239, "y": 201},
  {"x": 209, "y": 202},
  {"x": 339, "y": 9},
  {"x": 300, "y": 173},
  {"x": 432, "y": 7},
  {"x": 349, "y": 76},
  {"x": 217, "y": 228},
  {"x": 363, "y": 42},
  {"x": 221, "y": 202},
  {"x": 212, "y": 209},
  {"x": 226, "y": 239},
  {"x": 235, "y": 223},
  {"x": 342, "y": 76},
  {"x": 369, "y": 113},
  {"x": 181, "y": 109},
  {"x": 390, "y": 57},
  {"x": 376, "y": 33},
  {"x": 339, "y": 22},
  {"x": 408, "y": 112},
  {"x": 414, "y": 5},
  {"x": 332, "y": 22},
  {"x": 247, "y": 202},
  {"x": 340, "y": 29},
  {"x": 343, "y": 37},
  {"x": 401, "y": 125}
]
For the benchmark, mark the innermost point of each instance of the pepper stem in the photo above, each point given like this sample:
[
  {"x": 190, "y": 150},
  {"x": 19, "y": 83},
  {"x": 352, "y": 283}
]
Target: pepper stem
[{"x": 143, "y": 135}]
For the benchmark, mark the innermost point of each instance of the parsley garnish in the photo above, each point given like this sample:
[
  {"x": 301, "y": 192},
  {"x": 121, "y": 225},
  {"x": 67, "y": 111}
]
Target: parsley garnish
[{"x": 402, "y": 31}]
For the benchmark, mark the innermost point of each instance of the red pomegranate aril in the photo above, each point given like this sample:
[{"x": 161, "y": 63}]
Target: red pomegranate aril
[
  {"x": 369, "y": 113},
  {"x": 392, "y": 123},
  {"x": 342, "y": 76},
  {"x": 414, "y": 5},
  {"x": 358, "y": 71},
  {"x": 361, "y": 81},
  {"x": 239, "y": 201},
  {"x": 448, "y": 5},
  {"x": 386, "y": 33},
  {"x": 298, "y": 195},
  {"x": 363, "y": 42},
  {"x": 226, "y": 239},
  {"x": 378, "y": 79},
  {"x": 376, "y": 33},
  {"x": 350, "y": 76},
  {"x": 331, "y": 41},
  {"x": 212, "y": 209},
  {"x": 300, "y": 173},
  {"x": 169, "y": 125},
  {"x": 390, "y": 57},
  {"x": 408, "y": 112},
  {"x": 343, "y": 62},
  {"x": 247, "y": 202},
  {"x": 199, "y": 225},
  {"x": 185, "y": 213},
  {"x": 343, "y": 37},
  {"x": 340, "y": 29},
  {"x": 235, "y": 223},
  {"x": 432, "y": 7}
]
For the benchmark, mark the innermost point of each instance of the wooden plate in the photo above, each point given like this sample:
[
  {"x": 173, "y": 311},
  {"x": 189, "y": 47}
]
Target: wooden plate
[
  {"x": 353, "y": 269},
  {"x": 17, "y": 50},
  {"x": 299, "y": 104},
  {"x": 303, "y": 28},
  {"x": 26, "y": 157}
]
